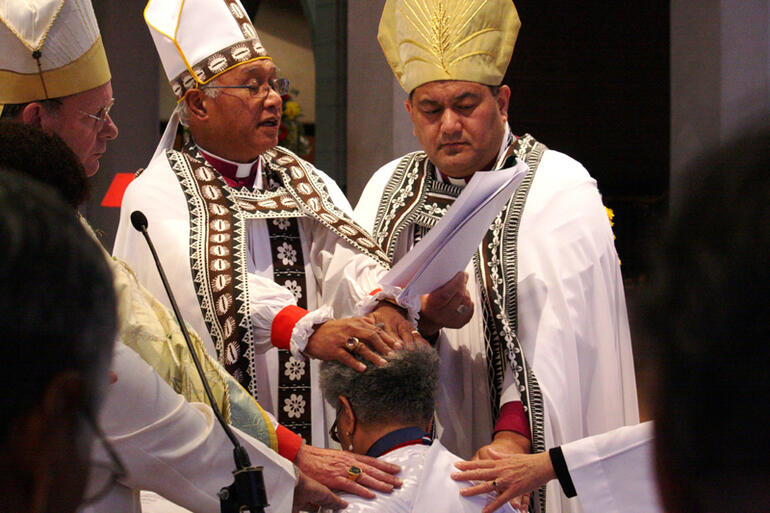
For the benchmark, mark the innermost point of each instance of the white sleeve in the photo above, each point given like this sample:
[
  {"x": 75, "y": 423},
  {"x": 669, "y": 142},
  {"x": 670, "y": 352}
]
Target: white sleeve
[
  {"x": 571, "y": 307},
  {"x": 347, "y": 275},
  {"x": 266, "y": 300},
  {"x": 613, "y": 472},
  {"x": 176, "y": 448}
]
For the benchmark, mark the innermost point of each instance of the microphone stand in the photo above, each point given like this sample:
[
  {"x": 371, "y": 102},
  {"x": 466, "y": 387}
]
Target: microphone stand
[{"x": 247, "y": 493}]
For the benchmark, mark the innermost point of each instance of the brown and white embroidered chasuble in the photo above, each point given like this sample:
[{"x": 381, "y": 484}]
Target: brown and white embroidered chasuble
[
  {"x": 218, "y": 216},
  {"x": 414, "y": 198}
]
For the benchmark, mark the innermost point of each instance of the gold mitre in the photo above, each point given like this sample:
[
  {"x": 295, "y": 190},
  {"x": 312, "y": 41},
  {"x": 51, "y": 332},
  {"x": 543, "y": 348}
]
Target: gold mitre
[
  {"x": 198, "y": 40},
  {"x": 428, "y": 40},
  {"x": 50, "y": 49}
]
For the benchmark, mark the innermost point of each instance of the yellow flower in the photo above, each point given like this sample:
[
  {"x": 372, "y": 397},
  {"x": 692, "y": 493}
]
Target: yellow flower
[
  {"x": 611, "y": 215},
  {"x": 291, "y": 109}
]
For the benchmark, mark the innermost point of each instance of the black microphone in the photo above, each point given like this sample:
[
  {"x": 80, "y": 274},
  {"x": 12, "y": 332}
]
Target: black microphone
[{"x": 247, "y": 493}]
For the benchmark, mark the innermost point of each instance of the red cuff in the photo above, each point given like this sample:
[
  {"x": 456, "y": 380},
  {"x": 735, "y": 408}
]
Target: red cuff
[
  {"x": 513, "y": 418},
  {"x": 375, "y": 291},
  {"x": 289, "y": 442},
  {"x": 283, "y": 325}
]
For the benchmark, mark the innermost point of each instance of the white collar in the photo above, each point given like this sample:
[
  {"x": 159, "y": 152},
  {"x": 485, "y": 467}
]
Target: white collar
[{"x": 242, "y": 169}]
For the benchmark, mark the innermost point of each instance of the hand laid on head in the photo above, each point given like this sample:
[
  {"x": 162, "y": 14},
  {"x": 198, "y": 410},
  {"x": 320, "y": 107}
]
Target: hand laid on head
[
  {"x": 309, "y": 495},
  {"x": 331, "y": 468},
  {"x": 341, "y": 338},
  {"x": 513, "y": 477},
  {"x": 392, "y": 319},
  {"x": 449, "y": 306}
]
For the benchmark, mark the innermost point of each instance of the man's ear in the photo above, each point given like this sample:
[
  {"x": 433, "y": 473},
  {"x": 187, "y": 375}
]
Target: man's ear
[
  {"x": 347, "y": 417},
  {"x": 32, "y": 115},
  {"x": 196, "y": 104},
  {"x": 503, "y": 99},
  {"x": 409, "y": 107}
]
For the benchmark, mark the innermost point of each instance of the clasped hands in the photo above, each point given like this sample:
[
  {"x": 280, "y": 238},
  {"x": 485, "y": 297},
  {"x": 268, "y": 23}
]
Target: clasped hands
[{"x": 387, "y": 329}]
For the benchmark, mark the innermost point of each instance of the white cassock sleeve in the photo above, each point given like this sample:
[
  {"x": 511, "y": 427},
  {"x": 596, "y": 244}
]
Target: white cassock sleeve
[
  {"x": 613, "y": 472},
  {"x": 341, "y": 276},
  {"x": 267, "y": 299},
  {"x": 176, "y": 448},
  {"x": 344, "y": 275}
]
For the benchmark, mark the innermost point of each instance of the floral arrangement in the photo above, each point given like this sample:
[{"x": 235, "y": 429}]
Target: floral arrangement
[{"x": 291, "y": 135}]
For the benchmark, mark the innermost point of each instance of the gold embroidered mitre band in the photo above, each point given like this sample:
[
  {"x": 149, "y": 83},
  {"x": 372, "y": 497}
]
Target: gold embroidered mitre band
[
  {"x": 198, "y": 40},
  {"x": 50, "y": 49},
  {"x": 428, "y": 40}
]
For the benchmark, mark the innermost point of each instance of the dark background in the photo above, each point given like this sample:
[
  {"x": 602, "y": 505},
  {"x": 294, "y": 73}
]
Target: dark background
[{"x": 592, "y": 80}]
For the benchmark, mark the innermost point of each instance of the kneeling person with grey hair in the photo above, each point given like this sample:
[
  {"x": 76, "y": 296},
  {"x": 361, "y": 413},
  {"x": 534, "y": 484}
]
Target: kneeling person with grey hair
[{"x": 386, "y": 412}]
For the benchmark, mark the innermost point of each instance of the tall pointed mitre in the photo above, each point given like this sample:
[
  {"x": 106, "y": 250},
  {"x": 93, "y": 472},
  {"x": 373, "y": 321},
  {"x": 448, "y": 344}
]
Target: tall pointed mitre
[
  {"x": 198, "y": 40},
  {"x": 50, "y": 49},
  {"x": 428, "y": 40}
]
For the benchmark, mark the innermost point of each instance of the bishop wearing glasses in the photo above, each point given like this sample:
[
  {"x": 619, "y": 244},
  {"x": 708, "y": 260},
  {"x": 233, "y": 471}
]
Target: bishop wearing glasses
[{"x": 257, "y": 243}]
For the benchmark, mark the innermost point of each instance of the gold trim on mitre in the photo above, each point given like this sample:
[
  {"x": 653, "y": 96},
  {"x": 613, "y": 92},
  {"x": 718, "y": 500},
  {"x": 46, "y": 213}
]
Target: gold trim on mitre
[
  {"x": 204, "y": 70},
  {"x": 429, "y": 40},
  {"x": 88, "y": 71}
]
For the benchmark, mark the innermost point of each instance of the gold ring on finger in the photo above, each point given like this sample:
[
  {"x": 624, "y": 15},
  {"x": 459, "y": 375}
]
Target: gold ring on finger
[
  {"x": 352, "y": 344},
  {"x": 355, "y": 473}
]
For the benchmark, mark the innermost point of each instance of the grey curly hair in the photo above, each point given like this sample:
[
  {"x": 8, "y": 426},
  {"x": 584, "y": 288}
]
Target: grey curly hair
[{"x": 402, "y": 390}]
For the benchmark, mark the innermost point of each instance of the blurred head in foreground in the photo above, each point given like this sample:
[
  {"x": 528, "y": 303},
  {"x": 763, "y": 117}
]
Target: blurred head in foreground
[
  {"x": 709, "y": 317},
  {"x": 57, "y": 325}
]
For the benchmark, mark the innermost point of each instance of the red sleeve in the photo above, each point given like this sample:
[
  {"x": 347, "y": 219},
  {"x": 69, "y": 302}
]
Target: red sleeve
[
  {"x": 283, "y": 325},
  {"x": 513, "y": 418},
  {"x": 289, "y": 442}
]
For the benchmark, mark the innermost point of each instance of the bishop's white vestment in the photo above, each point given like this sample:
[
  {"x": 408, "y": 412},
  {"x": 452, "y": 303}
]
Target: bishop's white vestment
[
  {"x": 546, "y": 283},
  {"x": 174, "y": 447},
  {"x": 238, "y": 271},
  {"x": 613, "y": 472}
]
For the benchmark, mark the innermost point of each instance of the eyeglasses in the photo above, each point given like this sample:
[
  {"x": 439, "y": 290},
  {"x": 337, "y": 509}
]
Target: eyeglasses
[
  {"x": 101, "y": 115},
  {"x": 102, "y": 475},
  {"x": 258, "y": 92}
]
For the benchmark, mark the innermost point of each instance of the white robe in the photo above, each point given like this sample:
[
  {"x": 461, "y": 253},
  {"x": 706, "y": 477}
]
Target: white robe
[
  {"x": 156, "y": 432},
  {"x": 341, "y": 281},
  {"x": 426, "y": 485},
  {"x": 613, "y": 472},
  {"x": 572, "y": 319}
]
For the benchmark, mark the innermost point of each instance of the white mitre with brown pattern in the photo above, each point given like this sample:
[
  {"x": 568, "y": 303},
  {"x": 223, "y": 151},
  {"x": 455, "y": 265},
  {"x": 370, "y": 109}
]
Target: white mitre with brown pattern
[
  {"x": 49, "y": 49},
  {"x": 428, "y": 40},
  {"x": 198, "y": 40}
]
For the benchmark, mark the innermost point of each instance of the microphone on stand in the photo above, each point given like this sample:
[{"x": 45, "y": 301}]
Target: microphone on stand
[{"x": 247, "y": 493}]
